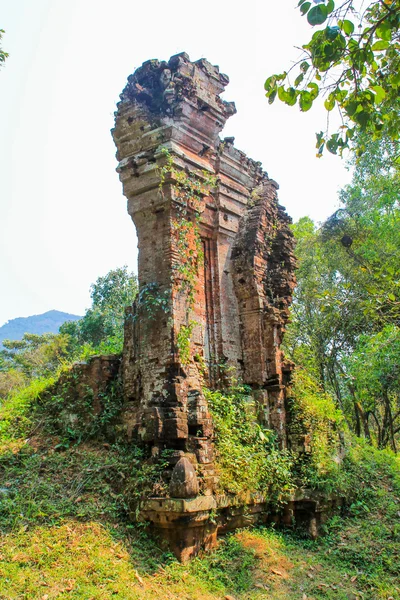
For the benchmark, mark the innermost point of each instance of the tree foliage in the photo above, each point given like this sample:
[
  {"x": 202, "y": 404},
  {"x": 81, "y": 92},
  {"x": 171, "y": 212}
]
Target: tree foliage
[
  {"x": 34, "y": 356},
  {"x": 101, "y": 327},
  {"x": 352, "y": 60},
  {"x": 346, "y": 314},
  {"x": 3, "y": 53},
  {"x": 373, "y": 374},
  {"x": 99, "y": 331}
]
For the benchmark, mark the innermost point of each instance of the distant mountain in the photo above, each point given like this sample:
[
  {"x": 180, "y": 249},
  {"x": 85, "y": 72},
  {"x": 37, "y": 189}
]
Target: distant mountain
[{"x": 48, "y": 322}]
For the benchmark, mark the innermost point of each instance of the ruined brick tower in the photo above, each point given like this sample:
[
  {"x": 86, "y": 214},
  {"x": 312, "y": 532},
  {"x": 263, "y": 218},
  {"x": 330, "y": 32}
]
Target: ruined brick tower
[{"x": 216, "y": 274}]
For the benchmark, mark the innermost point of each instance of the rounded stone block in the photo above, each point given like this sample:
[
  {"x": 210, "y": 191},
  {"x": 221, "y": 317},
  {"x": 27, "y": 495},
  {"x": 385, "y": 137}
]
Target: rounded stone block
[{"x": 183, "y": 482}]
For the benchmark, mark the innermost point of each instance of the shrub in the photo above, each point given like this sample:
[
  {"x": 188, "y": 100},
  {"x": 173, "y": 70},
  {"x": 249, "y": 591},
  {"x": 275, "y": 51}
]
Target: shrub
[
  {"x": 312, "y": 413},
  {"x": 17, "y": 411},
  {"x": 248, "y": 459}
]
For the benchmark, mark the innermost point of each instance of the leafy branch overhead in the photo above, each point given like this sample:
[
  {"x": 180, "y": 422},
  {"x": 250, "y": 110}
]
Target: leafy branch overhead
[
  {"x": 353, "y": 61},
  {"x": 3, "y": 54}
]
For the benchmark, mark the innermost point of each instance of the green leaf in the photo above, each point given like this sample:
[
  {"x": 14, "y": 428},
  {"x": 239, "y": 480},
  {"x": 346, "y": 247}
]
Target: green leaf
[
  {"x": 380, "y": 93},
  {"x": 317, "y": 15},
  {"x": 314, "y": 90},
  {"x": 384, "y": 31},
  {"x": 392, "y": 297},
  {"x": 332, "y": 145},
  {"x": 340, "y": 95},
  {"x": 269, "y": 83},
  {"x": 395, "y": 80},
  {"x": 320, "y": 138},
  {"x": 330, "y": 6},
  {"x": 351, "y": 107},
  {"x": 362, "y": 118},
  {"x": 282, "y": 93},
  {"x": 291, "y": 96},
  {"x": 332, "y": 32},
  {"x": 380, "y": 45},
  {"x": 304, "y": 7},
  {"x": 330, "y": 102},
  {"x": 299, "y": 79},
  {"x": 305, "y": 101},
  {"x": 304, "y": 66},
  {"x": 271, "y": 97},
  {"x": 348, "y": 27},
  {"x": 329, "y": 50}
]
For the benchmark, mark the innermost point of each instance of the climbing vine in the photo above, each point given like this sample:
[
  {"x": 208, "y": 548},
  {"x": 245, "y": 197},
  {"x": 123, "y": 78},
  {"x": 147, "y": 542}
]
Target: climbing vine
[
  {"x": 183, "y": 342},
  {"x": 152, "y": 299},
  {"x": 190, "y": 190}
]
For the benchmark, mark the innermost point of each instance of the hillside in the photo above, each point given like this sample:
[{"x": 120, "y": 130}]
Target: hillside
[
  {"x": 65, "y": 534},
  {"x": 66, "y": 528},
  {"x": 48, "y": 322}
]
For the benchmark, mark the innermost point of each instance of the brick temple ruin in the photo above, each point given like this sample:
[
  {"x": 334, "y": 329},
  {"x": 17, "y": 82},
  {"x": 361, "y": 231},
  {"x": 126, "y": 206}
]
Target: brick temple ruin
[
  {"x": 216, "y": 275},
  {"x": 235, "y": 287},
  {"x": 216, "y": 249}
]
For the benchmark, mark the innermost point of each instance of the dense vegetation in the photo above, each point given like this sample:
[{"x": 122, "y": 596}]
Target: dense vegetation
[
  {"x": 67, "y": 533},
  {"x": 67, "y": 496},
  {"x": 345, "y": 328}
]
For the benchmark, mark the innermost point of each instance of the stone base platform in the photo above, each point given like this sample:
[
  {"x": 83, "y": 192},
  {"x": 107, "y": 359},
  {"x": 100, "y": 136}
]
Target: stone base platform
[{"x": 191, "y": 525}]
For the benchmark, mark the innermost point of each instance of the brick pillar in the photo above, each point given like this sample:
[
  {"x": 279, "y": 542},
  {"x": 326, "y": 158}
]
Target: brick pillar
[{"x": 166, "y": 133}]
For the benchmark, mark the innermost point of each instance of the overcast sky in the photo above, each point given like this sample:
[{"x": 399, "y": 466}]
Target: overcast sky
[{"x": 63, "y": 219}]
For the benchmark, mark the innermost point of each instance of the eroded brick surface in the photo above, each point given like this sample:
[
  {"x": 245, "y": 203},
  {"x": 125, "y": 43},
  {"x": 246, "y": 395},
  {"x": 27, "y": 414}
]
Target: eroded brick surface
[{"x": 216, "y": 266}]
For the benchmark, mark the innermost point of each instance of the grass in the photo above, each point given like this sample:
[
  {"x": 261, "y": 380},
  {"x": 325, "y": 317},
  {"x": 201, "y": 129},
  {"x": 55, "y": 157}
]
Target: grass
[
  {"x": 66, "y": 533},
  {"x": 90, "y": 560}
]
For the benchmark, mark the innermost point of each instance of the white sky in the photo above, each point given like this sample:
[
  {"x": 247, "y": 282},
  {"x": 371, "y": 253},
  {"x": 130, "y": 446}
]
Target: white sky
[{"x": 63, "y": 219}]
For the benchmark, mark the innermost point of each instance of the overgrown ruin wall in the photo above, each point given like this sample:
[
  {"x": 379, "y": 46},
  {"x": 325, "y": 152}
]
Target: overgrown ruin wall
[
  {"x": 216, "y": 266},
  {"x": 216, "y": 263}
]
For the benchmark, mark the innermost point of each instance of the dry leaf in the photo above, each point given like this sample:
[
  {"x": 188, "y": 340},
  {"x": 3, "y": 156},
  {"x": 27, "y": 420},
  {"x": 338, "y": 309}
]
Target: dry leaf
[
  {"x": 229, "y": 598},
  {"x": 140, "y": 580},
  {"x": 261, "y": 586},
  {"x": 353, "y": 579},
  {"x": 275, "y": 572},
  {"x": 310, "y": 575}
]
